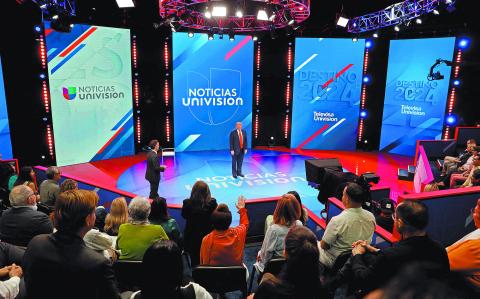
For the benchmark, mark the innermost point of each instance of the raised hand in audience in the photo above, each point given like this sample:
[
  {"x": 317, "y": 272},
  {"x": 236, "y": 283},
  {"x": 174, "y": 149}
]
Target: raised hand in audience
[{"x": 241, "y": 202}]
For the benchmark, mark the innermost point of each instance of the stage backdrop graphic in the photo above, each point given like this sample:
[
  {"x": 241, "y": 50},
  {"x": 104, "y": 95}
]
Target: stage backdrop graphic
[
  {"x": 91, "y": 93},
  {"x": 326, "y": 93},
  {"x": 414, "y": 107},
  {"x": 5, "y": 142},
  {"x": 212, "y": 89}
]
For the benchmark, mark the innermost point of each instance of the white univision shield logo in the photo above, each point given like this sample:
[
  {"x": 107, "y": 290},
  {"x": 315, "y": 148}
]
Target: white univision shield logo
[{"x": 214, "y": 101}]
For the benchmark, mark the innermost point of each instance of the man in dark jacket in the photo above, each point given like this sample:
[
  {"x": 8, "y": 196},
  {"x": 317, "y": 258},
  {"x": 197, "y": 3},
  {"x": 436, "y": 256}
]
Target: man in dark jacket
[
  {"x": 22, "y": 222},
  {"x": 238, "y": 149},
  {"x": 374, "y": 267},
  {"x": 60, "y": 265},
  {"x": 152, "y": 174}
]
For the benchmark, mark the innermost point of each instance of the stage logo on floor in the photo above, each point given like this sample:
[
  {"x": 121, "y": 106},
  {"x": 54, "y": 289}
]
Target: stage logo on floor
[
  {"x": 212, "y": 90},
  {"x": 326, "y": 93},
  {"x": 414, "y": 106},
  {"x": 5, "y": 141},
  {"x": 91, "y": 93}
]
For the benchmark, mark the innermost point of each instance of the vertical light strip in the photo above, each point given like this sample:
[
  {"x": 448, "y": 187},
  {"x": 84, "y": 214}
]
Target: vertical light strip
[
  {"x": 256, "y": 123},
  {"x": 167, "y": 128},
  {"x": 166, "y": 89},
  {"x": 136, "y": 91},
  {"x": 452, "y": 93},
  {"x": 363, "y": 95},
  {"x": 288, "y": 90}
]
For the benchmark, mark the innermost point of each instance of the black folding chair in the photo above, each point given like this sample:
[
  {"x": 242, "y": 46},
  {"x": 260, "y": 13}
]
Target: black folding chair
[
  {"x": 128, "y": 274},
  {"x": 221, "y": 280},
  {"x": 274, "y": 266}
]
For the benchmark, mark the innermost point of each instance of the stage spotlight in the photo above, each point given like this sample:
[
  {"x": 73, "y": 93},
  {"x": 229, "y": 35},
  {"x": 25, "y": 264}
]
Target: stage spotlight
[
  {"x": 368, "y": 44},
  {"x": 451, "y": 120},
  {"x": 463, "y": 43},
  {"x": 418, "y": 21},
  {"x": 239, "y": 14},
  {"x": 125, "y": 3},
  {"x": 262, "y": 15},
  {"x": 210, "y": 36},
  {"x": 231, "y": 36},
  {"x": 208, "y": 14},
  {"x": 354, "y": 39},
  {"x": 375, "y": 35},
  {"x": 366, "y": 79},
  {"x": 456, "y": 82},
  {"x": 42, "y": 76},
  {"x": 219, "y": 11},
  {"x": 363, "y": 114},
  {"x": 436, "y": 12},
  {"x": 255, "y": 38},
  {"x": 396, "y": 28},
  {"x": 38, "y": 28},
  {"x": 342, "y": 22},
  {"x": 190, "y": 34}
]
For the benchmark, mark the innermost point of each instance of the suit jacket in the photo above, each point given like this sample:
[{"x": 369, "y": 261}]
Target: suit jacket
[
  {"x": 60, "y": 265},
  {"x": 19, "y": 225},
  {"x": 153, "y": 167},
  {"x": 235, "y": 141}
]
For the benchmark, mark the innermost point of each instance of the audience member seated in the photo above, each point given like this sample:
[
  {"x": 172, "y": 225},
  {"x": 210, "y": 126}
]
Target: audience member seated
[
  {"x": 138, "y": 234},
  {"x": 118, "y": 215},
  {"x": 445, "y": 181},
  {"x": 102, "y": 243},
  {"x": 197, "y": 211},
  {"x": 384, "y": 218},
  {"x": 27, "y": 177},
  {"x": 20, "y": 223},
  {"x": 303, "y": 217},
  {"x": 372, "y": 268},
  {"x": 159, "y": 215},
  {"x": 59, "y": 265},
  {"x": 418, "y": 280},
  {"x": 224, "y": 245},
  {"x": 431, "y": 187},
  {"x": 163, "y": 275},
  {"x": 8, "y": 176},
  {"x": 300, "y": 277},
  {"x": 49, "y": 189},
  {"x": 472, "y": 179},
  {"x": 451, "y": 163},
  {"x": 464, "y": 255},
  {"x": 100, "y": 215},
  {"x": 68, "y": 184},
  {"x": 10, "y": 287},
  {"x": 287, "y": 214},
  {"x": 351, "y": 224}
]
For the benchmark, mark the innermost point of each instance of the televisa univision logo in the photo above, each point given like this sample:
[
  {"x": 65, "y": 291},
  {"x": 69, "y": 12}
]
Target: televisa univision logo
[{"x": 95, "y": 92}]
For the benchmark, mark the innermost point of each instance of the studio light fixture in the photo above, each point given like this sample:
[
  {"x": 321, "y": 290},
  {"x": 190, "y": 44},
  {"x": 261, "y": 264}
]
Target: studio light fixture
[
  {"x": 342, "y": 22},
  {"x": 219, "y": 11},
  {"x": 262, "y": 15},
  {"x": 125, "y": 3}
]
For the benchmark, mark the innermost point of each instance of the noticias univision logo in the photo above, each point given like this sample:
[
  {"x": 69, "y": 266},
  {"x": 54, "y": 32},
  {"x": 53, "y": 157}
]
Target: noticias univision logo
[{"x": 69, "y": 93}]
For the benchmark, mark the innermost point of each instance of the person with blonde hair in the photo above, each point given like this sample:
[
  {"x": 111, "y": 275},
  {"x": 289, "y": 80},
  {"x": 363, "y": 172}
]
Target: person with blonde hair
[
  {"x": 68, "y": 184},
  {"x": 118, "y": 215}
]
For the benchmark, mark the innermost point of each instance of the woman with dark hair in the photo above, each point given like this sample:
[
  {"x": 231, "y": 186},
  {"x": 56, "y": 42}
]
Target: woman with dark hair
[
  {"x": 197, "y": 211},
  {"x": 287, "y": 214},
  {"x": 159, "y": 215},
  {"x": 163, "y": 275},
  {"x": 300, "y": 277},
  {"x": 26, "y": 177}
]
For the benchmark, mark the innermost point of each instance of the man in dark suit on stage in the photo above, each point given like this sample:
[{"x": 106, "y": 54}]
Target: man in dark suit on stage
[
  {"x": 238, "y": 148},
  {"x": 152, "y": 175}
]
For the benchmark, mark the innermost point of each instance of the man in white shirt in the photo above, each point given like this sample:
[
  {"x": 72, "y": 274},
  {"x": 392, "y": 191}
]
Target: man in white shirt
[{"x": 352, "y": 224}]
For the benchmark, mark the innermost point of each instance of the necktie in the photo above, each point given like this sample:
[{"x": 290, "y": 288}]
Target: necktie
[{"x": 241, "y": 139}]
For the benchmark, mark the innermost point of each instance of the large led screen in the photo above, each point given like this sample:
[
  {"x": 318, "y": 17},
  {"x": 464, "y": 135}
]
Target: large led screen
[
  {"x": 414, "y": 106},
  {"x": 91, "y": 93},
  {"x": 212, "y": 89},
  {"x": 326, "y": 93},
  {"x": 5, "y": 142}
]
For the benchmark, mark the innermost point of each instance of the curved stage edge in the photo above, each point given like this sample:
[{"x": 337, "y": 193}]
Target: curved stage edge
[{"x": 269, "y": 172}]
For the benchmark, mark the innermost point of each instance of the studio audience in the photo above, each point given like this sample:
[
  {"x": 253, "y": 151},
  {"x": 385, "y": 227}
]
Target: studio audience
[
  {"x": 464, "y": 255},
  {"x": 351, "y": 224},
  {"x": 300, "y": 277},
  {"x": 197, "y": 211},
  {"x": 157, "y": 283},
  {"x": 138, "y": 234},
  {"x": 224, "y": 246},
  {"x": 372, "y": 267},
  {"x": 27, "y": 177},
  {"x": 60, "y": 265},
  {"x": 159, "y": 215},
  {"x": 287, "y": 214},
  {"x": 118, "y": 215},
  {"x": 452, "y": 163},
  {"x": 303, "y": 217},
  {"x": 20, "y": 223},
  {"x": 49, "y": 189},
  {"x": 68, "y": 184}
]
